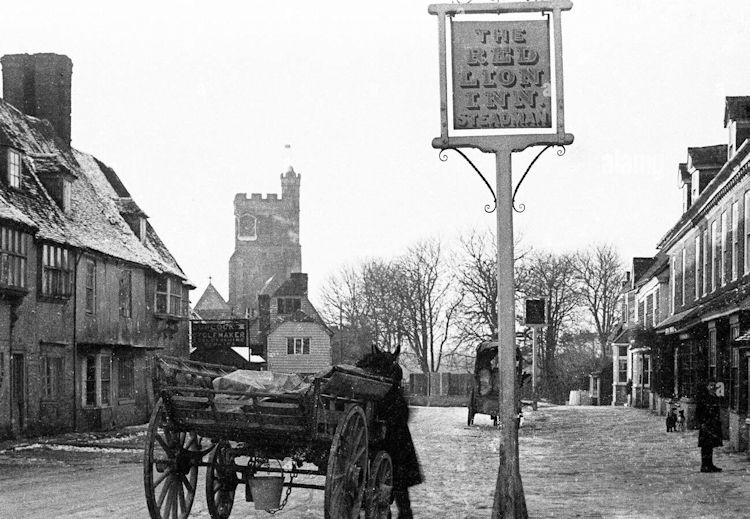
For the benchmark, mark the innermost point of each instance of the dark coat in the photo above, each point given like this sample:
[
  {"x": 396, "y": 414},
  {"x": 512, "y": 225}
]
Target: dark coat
[
  {"x": 708, "y": 418},
  {"x": 394, "y": 409}
]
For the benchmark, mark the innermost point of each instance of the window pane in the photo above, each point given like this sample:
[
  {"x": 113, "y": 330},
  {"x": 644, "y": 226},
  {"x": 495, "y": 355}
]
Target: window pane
[
  {"x": 306, "y": 345},
  {"x": 106, "y": 367},
  {"x": 290, "y": 346},
  {"x": 91, "y": 380}
]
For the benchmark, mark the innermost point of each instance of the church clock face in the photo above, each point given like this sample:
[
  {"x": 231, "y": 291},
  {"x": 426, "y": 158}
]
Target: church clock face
[{"x": 247, "y": 228}]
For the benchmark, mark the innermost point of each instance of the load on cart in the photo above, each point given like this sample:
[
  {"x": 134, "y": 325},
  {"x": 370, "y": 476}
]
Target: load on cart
[{"x": 263, "y": 430}]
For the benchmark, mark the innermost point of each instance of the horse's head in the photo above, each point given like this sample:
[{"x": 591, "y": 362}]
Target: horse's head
[{"x": 382, "y": 363}]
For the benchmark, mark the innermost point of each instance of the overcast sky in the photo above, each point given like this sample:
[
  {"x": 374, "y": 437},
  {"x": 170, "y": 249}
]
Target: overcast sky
[{"x": 192, "y": 102}]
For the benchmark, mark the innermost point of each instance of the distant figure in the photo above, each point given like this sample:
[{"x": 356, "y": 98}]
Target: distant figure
[
  {"x": 671, "y": 420},
  {"x": 681, "y": 421},
  {"x": 398, "y": 442},
  {"x": 708, "y": 418}
]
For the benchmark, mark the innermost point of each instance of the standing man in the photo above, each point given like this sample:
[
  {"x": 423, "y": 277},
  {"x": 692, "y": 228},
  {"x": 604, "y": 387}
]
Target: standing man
[{"x": 708, "y": 417}]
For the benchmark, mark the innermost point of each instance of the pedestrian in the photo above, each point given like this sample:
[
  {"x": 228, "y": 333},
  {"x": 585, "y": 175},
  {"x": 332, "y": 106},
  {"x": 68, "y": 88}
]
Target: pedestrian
[
  {"x": 671, "y": 420},
  {"x": 708, "y": 418},
  {"x": 681, "y": 421}
]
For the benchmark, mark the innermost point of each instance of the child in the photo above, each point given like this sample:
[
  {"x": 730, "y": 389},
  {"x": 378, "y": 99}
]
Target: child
[
  {"x": 671, "y": 420},
  {"x": 681, "y": 421}
]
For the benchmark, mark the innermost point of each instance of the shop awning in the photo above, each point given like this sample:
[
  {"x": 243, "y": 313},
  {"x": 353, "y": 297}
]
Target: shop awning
[{"x": 681, "y": 321}]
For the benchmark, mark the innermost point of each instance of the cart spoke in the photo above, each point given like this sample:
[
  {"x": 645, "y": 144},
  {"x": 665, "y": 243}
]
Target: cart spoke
[
  {"x": 360, "y": 452},
  {"x": 174, "y": 503},
  {"x": 360, "y": 433},
  {"x": 181, "y": 495},
  {"x": 162, "y": 477},
  {"x": 187, "y": 484},
  {"x": 163, "y": 492},
  {"x": 164, "y": 446}
]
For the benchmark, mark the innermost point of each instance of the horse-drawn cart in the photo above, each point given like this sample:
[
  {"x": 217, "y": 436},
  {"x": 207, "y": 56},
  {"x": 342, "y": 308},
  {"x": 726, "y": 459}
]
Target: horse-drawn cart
[{"x": 264, "y": 436}]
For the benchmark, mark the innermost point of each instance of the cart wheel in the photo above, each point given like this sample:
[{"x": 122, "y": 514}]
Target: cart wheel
[
  {"x": 347, "y": 467},
  {"x": 170, "y": 468},
  {"x": 221, "y": 482},
  {"x": 379, "y": 487},
  {"x": 472, "y": 411}
]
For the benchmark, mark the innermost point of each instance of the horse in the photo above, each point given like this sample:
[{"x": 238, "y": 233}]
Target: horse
[{"x": 394, "y": 409}]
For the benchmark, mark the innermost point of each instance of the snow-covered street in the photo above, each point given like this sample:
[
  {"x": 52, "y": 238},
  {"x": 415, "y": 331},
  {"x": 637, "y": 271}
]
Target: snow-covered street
[{"x": 575, "y": 461}]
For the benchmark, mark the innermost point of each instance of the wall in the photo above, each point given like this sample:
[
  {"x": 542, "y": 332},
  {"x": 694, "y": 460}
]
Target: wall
[
  {"x": 5, "y": 310},
  {"x": 43, "y": 327},
  {"x": 320, "y": 348}
]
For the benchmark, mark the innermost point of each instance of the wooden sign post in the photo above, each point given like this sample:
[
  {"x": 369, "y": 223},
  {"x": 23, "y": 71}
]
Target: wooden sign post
[{"x": 506, "y": 94}]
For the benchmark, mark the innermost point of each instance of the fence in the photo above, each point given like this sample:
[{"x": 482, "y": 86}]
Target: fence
[{"x": 440, "y": 384}]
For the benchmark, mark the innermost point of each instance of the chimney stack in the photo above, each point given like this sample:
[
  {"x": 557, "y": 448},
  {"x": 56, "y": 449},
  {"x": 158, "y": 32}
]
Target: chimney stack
[{"x": 39, "y": 85}]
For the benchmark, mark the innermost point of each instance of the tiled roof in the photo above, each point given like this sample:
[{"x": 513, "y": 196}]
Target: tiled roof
[
  {"x": 683, "y": 171},
  {"x": 737, "y": 107},
  {"x": 94, "y": 221},
  {"x": 127, "y": 206},
  {"x": 712, "y": 156},
  {"x": 659, "y": 262},
  {"x": 300, "y": 317},
  {"x": 211, "y": 301},
  {"x": 295, "y": 285},
  {"x": 270, "y": 286}
]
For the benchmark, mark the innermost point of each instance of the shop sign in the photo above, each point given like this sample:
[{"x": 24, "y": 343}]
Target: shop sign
[{"x": 219, "y": 334}]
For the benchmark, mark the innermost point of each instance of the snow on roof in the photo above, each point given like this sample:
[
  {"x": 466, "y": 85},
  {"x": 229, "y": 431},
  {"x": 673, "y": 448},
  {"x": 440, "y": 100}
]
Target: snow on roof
[
  {"x": 94, "y": 221},
  {"x": 211, "y": 299}
]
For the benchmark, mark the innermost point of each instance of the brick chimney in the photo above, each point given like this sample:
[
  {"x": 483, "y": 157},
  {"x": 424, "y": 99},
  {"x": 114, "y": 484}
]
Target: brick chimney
[
  {"x": 300, "y": 282},
  {"x": 39, "y": 85}
]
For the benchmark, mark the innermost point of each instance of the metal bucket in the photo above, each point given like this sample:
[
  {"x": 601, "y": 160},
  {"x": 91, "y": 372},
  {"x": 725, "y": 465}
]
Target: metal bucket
[{"x": 266, "y": 491}]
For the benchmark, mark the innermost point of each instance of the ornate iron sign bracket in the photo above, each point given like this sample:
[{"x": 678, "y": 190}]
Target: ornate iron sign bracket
[
  {"x": 521, "y": 207},
  {"x": 487, "y": 208}
]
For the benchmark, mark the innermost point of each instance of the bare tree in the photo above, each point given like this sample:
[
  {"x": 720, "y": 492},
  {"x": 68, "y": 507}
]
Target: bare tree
[
  {"x": 599, "y": 275},
  {"x": 409, "y": 302},
  {"x": 345, "y": 308},
  {"x": 552, "y": 276},
  {"x": 476, "y": 276},
  {"x": 384, "y": 306},
  {"x": 427, "y": 301}
]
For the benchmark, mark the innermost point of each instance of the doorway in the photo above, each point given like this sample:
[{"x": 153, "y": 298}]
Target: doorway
[{"x": 18, "y": 392}]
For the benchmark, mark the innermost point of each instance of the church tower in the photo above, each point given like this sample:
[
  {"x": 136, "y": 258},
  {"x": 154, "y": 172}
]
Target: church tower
[{"x": 266, "y": 243}]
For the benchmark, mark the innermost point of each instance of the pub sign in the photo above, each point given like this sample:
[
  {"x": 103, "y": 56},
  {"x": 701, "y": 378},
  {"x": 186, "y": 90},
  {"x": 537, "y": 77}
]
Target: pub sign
[{"x": 501, "y": 75}]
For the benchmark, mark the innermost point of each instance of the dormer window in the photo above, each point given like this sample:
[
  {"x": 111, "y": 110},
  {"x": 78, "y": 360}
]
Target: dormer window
[
  {"x": 695, "y": 184},
  {"x": 134, "y": 216},
  {"x": 14, "y": 168},
  {"x": 66, "y": 195},
  {"x": 247, "y": 228}
]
